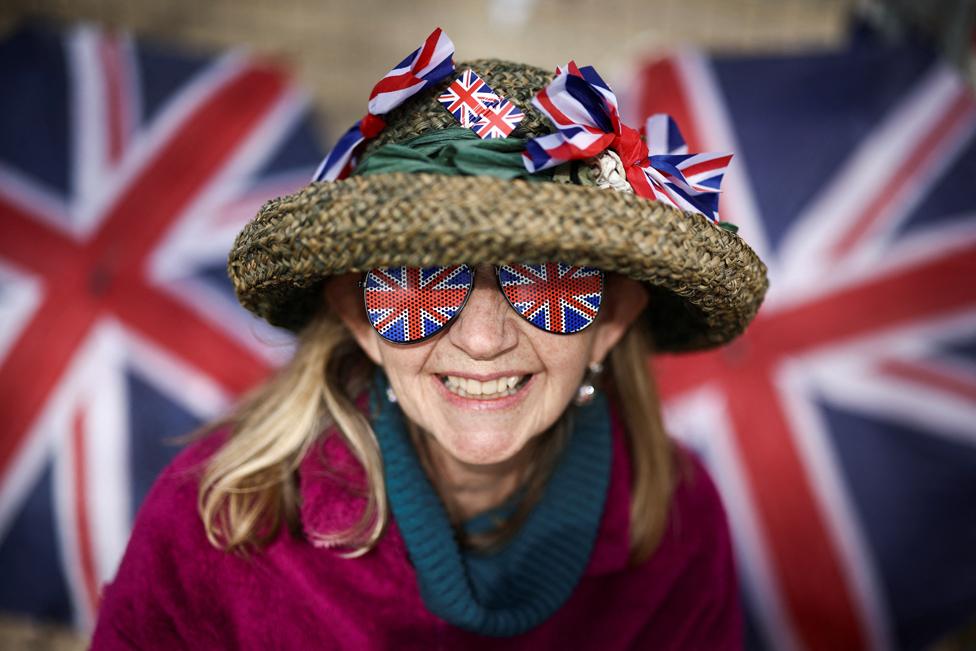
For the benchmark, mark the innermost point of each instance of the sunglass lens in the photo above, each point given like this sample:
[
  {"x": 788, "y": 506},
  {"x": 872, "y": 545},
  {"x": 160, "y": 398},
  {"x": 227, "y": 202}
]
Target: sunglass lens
[
  {"x": 409, "y": 304},
  {"x": 557, "y": 297}
]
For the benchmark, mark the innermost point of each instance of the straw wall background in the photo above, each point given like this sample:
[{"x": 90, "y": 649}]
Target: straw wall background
[{"x": 340, "y": 49}]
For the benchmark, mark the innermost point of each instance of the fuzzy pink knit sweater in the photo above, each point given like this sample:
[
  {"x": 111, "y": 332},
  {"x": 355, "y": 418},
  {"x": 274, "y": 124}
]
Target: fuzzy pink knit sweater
[{"x": 174, "y": 590}]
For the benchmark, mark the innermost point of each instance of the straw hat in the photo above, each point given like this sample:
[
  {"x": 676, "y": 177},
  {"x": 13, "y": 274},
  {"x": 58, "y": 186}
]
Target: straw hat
[{"x": 705, "y": 282}]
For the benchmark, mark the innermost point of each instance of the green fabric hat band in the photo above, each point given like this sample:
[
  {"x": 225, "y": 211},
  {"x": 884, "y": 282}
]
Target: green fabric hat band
[
  {"x": 456, "y": 151},
  {"x": 453, "y": 151}
]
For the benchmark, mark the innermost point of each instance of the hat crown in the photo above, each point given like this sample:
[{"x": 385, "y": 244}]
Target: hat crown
[
  {"x": 706, "y": 283},
  {"x": 516, "y": 82}
]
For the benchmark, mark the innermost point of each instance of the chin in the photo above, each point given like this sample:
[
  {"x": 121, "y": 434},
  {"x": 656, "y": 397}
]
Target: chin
[{"x": 483, "y": 448}]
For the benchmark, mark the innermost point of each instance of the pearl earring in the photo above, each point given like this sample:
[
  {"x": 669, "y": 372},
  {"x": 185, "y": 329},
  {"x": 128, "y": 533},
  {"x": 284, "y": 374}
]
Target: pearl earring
[
  {"x": 390, "y": 395},
  {"x": 587, "y": 390}
]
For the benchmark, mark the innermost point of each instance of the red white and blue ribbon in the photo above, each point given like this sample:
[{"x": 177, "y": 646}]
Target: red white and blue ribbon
[
  {"x": 428, "y": 64},
  {"x": 687, "y": 181},
  {"x": 584, "y": 111},
  {"x": 587, "y": 118}
]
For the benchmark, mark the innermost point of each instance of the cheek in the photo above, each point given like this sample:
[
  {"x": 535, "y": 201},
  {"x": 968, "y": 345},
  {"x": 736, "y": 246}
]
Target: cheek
[
  {"x": 406, "y": 369},
  {"x": 565, "y": 358},
  {"x": 402, "y": 362},
  {"x": 565, "y": 354}
]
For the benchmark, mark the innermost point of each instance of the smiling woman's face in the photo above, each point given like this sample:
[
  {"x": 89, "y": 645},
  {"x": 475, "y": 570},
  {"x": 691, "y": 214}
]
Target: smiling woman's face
[{"x": 491, "y": 381}]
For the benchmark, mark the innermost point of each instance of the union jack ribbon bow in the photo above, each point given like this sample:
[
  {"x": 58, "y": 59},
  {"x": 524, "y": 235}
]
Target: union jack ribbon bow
[
  {"x": 587, "y": 118},
  {"x": 687, "y": 181},
  {"x": 426, "y": 65}
]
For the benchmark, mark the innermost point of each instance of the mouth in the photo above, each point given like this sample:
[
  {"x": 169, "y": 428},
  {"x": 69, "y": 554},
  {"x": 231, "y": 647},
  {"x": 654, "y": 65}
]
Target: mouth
[{"x": 494, "y": 389}]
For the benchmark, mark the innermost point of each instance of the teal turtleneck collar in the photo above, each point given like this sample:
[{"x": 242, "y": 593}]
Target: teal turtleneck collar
[{"x": 525, "y": 582}]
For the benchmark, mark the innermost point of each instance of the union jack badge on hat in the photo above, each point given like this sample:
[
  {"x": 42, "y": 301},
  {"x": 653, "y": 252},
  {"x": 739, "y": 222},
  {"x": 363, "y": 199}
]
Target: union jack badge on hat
[
  {"x": 467, "y": 97},
  {"x": 475, "y": 105},
  {"x": 498, "y": 121}
]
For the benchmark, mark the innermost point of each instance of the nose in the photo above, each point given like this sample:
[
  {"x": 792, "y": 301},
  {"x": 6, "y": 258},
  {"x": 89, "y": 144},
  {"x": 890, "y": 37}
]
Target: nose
[{"x": 484, "y": 328}]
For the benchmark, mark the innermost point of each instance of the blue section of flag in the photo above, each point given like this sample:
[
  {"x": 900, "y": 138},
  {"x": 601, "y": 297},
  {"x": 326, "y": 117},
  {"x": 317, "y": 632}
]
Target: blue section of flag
[
  {"x": 429, "y": 325},
  {"x": 898, "y": 475},
  {"x": 163, "y": 73},
  {"x": 753, "y": 634},
  {"x": 158, "y": 420},
  {"x": 787, "y": 163},
  {"x": 963, "y": 350},
  {"x": 33, "y": 574},
  {"x": 506, "y": 276},
  {"x": 41, "y": 91},
  {"x": 215, "y": 275},
  {"x": 948, "y": 200},
  {"x": 298, "y": 150}
]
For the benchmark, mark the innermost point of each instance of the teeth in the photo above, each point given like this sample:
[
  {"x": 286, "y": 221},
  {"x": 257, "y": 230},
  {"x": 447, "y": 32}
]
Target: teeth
[{"x": 468, "y": 387}]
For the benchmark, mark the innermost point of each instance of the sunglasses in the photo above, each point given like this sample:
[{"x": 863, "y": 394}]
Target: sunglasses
[{"x": 409, "y": 304}]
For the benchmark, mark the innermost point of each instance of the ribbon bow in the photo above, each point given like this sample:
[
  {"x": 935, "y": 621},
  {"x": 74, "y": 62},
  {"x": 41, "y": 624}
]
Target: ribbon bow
[
  {"x": 687, "y": 181},
  {"x": 426, "y": 65},
  {"x": 587, "y": 118}
]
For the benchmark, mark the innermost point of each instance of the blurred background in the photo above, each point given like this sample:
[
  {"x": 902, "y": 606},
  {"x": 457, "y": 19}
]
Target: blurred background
[{"x": 137, "y": 137}]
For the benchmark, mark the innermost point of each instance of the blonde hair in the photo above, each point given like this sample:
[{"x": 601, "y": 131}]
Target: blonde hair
[{"x": 248, "y": 489}]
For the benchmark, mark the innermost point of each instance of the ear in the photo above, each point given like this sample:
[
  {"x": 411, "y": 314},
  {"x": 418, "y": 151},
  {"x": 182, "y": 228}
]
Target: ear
[
  {"x": 624, "y": 300},
  {"x": 345, "y": 296}
]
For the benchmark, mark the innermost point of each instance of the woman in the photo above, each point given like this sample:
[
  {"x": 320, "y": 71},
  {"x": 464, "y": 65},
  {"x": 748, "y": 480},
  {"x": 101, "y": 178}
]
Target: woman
[{"x": 466, "y": 449}]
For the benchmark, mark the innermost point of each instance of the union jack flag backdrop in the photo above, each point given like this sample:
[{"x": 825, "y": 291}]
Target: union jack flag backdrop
[
  {"x": 125, "y": 173},
  {"x": 841, "y": 428}
]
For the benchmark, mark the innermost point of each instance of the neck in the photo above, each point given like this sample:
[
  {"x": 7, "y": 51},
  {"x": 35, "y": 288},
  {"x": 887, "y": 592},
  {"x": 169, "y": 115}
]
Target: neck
[{"x": 468, "y": 489}]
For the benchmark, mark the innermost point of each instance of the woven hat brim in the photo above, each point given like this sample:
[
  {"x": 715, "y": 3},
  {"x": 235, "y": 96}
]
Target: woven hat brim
[{"x": 706, "y": 283}]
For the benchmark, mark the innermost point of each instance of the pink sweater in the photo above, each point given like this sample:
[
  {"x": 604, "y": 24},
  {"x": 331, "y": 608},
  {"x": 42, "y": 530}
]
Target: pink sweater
[{"x": 174, "y": 590}]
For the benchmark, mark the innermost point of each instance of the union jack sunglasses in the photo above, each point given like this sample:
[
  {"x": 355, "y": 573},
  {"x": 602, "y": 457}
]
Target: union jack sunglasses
[{"x": 409, "y": 304}]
